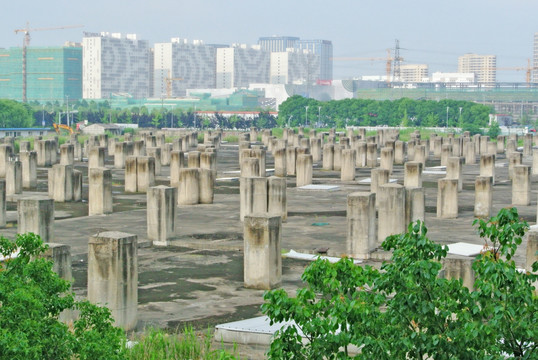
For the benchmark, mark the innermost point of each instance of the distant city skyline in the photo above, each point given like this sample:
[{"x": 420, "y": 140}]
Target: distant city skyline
[{"x": 430, "y": 32}]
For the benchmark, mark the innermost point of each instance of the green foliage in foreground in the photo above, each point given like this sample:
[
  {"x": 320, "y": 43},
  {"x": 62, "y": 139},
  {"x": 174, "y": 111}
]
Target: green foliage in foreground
[{"x": 407, "y": 310}]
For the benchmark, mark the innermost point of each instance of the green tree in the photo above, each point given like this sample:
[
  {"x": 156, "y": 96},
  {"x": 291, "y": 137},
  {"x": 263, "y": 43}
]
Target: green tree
[
  {"x": 32, "y": 296},
  {"x": 494, "y": 130},
  {"x": 406, "y": 310},
  {"x": 15, "y": 114}
]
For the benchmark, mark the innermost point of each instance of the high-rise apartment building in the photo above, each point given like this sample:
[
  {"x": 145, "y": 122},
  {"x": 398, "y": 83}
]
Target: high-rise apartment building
[
  {"x": 413, "y": 73},
  {"x": 534, "y": 78},
  {"x": 483, "y": 66},
  {"x": 180, "y": 65},
  {"x": 294, "y": 67},
  {"x": 115, "y": 64},
  {"x": 240, "y": 66},
  {"x": 53, "y": 73},
  {"x": 278, "y": 43}
]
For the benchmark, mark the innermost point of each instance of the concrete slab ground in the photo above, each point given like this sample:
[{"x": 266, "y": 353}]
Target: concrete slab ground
[{"x": 198, "y": 280}]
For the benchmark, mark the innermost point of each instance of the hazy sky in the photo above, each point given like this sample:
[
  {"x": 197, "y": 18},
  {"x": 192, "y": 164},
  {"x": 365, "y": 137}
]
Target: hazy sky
[{"x": 430, "y": 31}]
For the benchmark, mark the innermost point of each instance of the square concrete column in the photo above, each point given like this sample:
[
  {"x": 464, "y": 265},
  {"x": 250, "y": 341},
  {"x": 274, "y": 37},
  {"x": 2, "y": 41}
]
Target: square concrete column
[
  {"x": 291, "y": 160},
  {"x": 484, "y": 145},
  {"x": 111, "y": 146},
  {"x": 532, "y": 250},
  {"x": 304, "y": 170},
  {"x": 492, "y": 148},
  {"x": 14, "y": 177},
  {"x": 99, "y": 191},
  {"x": 414, "y": 205},
  {"x": 483, "y": 196},
  {"x": 337, "y": 165},
  {"x": 77, "y": 185},
  {"x": 155, "y": 153},
  {"x": 454, "y": 170},
  {"x": 437, "y": 147},
  {"x": 371, "y": 155},
  {"x": 193, "y": 159},
  {"x": 361, "y": 227},
  {"x": 470, "y": 153},
  {"x": 29, "y": 169},
  {"x": 67, "y": 154},
  {"x": 447, "y": 198},
  {"x": 280, "y": 157},
  {"x": 36, "y": 215},
  {"x": 207, "y": 186},
  {"x": 24, "y": 146},
  {"x": 261, "y": 156},
  {"x": 328, "y": 157},
  {"x": 96, "y": 158},
  {"x": 446, "y": 152},
  {"x": 360, "y": 158},
  {"x": 420, "y": 154},
  {"x": 62, "y": 185},
  {"x": 189, "y": 186},
  {"x": 262, "y": 266},
  {"x": 527, "y": 145},
  {"x": 500, "y": 144},
  {"x": 3, "y": 202},
  {"x": 145, "y": 173},
  {"x": 378, "y": 177},
  {"x": 521, "y": 185},
  {"x": 131, "y": 183},
  {"x": 459, "y": 268},
  {"x": 250, "y": 166},
  {"x": 139, "y": 148},
  {"x": 119, "y": 155},
  {"x": 315, "y": 149},
  {"x": 535, "y": 162},
  {"x": 487, "y": 166},
  {"x": 6, "y": 153},
  {"x": 208, "y": 160},
  {"x": 276, "y": 197},
  {"x": 391, "y": 214},
  {"x": 411, "y": 150},
  {"x": 166, "y": 149},
  {"x": 511, "y": 146},
  {"x": 161, "y": 214},
  {"x": 413, "y": 174},
  {"x": 347, "y": 172},
  {"x": 399, "y": 152},
  {"x": 113, "y": 275},
  {"x": 253, "y": 196},
  {"x": 514, "y": 158},
  {"x": 457, "y": 147},
  {"x": 177, "y": 162}
]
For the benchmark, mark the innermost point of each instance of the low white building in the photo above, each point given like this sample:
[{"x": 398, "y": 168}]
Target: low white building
[{"x": 25, "y": 132}]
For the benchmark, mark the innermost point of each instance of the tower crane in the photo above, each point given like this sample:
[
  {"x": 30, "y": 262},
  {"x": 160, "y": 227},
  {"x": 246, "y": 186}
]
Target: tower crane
[
  {"x": 168, "y": 81},
  {"x": 388, "y": 67},
  {"x": 26, "y": 42}
]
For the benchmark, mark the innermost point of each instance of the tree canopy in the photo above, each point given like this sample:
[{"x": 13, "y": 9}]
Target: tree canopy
[{"x": 15, "y": 114}]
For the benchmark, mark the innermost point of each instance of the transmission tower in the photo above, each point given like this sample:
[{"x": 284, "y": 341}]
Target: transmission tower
[{"x": 397, "y": 62}]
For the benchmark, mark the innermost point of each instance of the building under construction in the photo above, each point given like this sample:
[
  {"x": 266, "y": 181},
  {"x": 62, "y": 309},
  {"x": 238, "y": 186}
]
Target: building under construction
[{"x": 53, "y": 73}]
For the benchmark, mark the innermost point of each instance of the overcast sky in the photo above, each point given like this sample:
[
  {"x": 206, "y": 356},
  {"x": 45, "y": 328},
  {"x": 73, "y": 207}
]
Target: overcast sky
[{"x": 430, "y": 31}]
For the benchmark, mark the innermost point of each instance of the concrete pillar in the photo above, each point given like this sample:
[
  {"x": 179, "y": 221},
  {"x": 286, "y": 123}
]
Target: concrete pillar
[
  {"x": 413, "y": 174},
  {"x": 360, "y": 158},
  {"x": 487, "y": 166},
  {"x": 119, "y": 155},
  {"x": 177, "y": 162},
  {"x": 399, "y": 152},
  {"x": 139, "y": 148},
  {"x": 113, "y": 275},
  {"x": 476, "y": 143},
  {"x": 361, "y": 226},
  {"x": 484, "y": 145},
  {"x": 420, "y": 154},
  {"x": 96, "y": 158},
  {"x": 155, "y": 153},
  {"x": 166, "y": 149},
  {"x": 24, "y": 146},
  {"x": 261, "y": 156},
  {"x": 77, "y": 185},
  {"x": 447, "y": 198},
  {"x": 6, "y": 153},
  {"x": 437, "y": 147},
  {"x": 280, "y": 157},
  {"x": 337, "y": 164},
  {"x": 250, "y": 167},
  {"x": 391, "y": 214},
  {"x": 531, "y": 251},
  {"x": 67, "y": 154},
  {"x": 207, "y": 186},
  {"x": 161, "y": 214},
  {"x": 514, "y": 158},
  {"x": 208, "y": 161},
  {"x": 457, "y": 147},
  {"x": 454, "y": 170},
  {"x": 535, "y": 162},
  {"x": 14, "y": 177},
  {"x": 193, "y": 159},
  {"x": 511, "y": 146},
  {"x": 411, "y": 150},
  {"x": 500, "y": 144},
  {"x": 262, "y": 266},
  {"x": 145, "y": 173},
  {"x": 328, "y": 157},
  {"x": 371, "y": 155},
  {"x": 99, "y": 191},
  {"x": 414, "y": 205},
  {"x": 459, "y": 268},
  {"x": 527, "y": 145},
  {"x": 315, "y": 149},
  {"x": 304, "y": 170},
  {"x": 347, "y": 173},
  {"x": 387, "y": 159},
  {"x": 378, "y": 177},
  {"x": 291, "y": 160},
  {"x": 521, "y": 185},
  {"x": 36, "y": 215},
  {"x": 492, "y": 148},
  {"x": 276, "y": 197},
  {"x": 470, "y": 153},
  {"x": 253, "y": 196},
  {"x": 29, "y": 169},
  {"x": 446, "y": 152},
  {"x": 189, "y": 186},
  {"x": 483, "y": 196},
  {"x": 62, "y": 183},
  {"x": 3, "y": 202}
]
